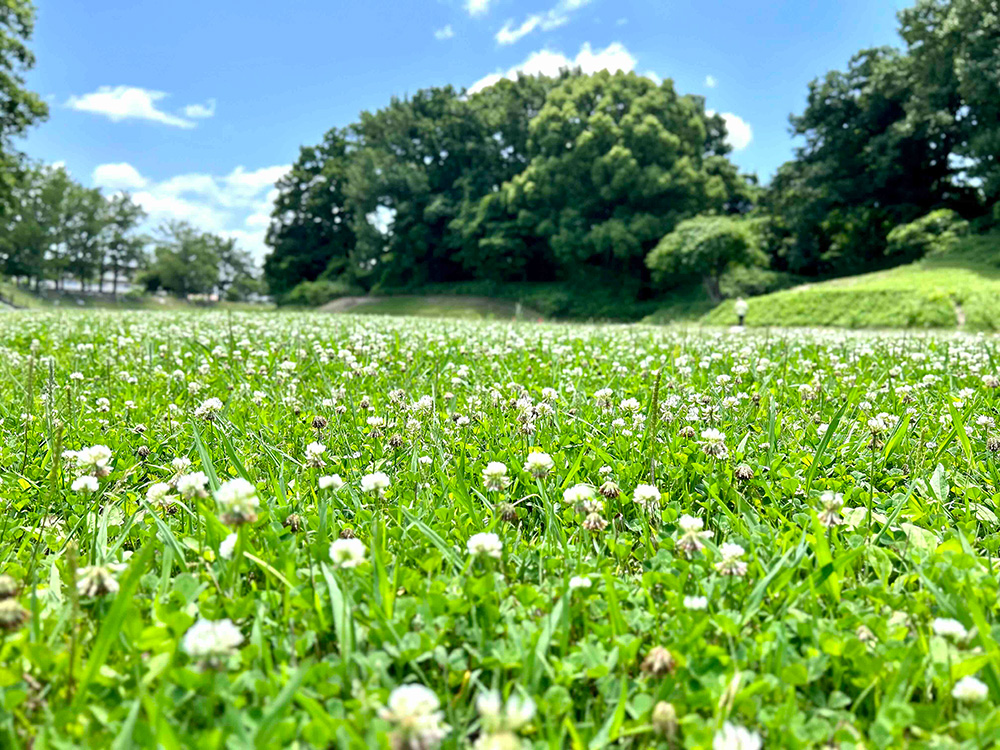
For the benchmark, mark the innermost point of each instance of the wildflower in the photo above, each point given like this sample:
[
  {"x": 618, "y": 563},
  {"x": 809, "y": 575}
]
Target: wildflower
[
  {"x": 85, "y": 483},
  {"x": 376, "y": 483},
  {"x": 833, "y": 502},
  {"x": 485, "y": 544},
  {"x": 238, "y": 501},
  {"x": 538, "y": 464},
  {"x": 211, "y": 639},
  {"x": 731, "y": 564},
  {"x": 314, "y": 454},
  {"x": 609, "y": 489},
  {"x": 347, "y": 553},
  {"x": 690, "y": 540},
  {"x": 208, "y": 409},
  {"x": 414, "y": 709},
  {"x": 658, "y": 662},
  {"x": 595, "y": 522},
  {"x": 12, "y": 614},
  {"x": 227, "y": 546},
  {"x": 646, "y": 496},
  {"x": 948, "y": 628},
  {"x": 714, "y": 443},
  {"x": 507, "y": 512},
  {"x": 970, "y": 690},
  {"x": 578, "y": 493},
  {"x": 579, "y": 582},
  {"x": 498, "y": 717},
  {"x": 333, "y": 481},
  {"x": 94, "y": 460},
  {"x": 192, "y": 485},
  {"x": 8, "y": 587},
  {"x": 495, "y": 476},
  {"x": 743, "y": 472},
  {"x": 98, "y": 580},
  {"x": 734, "y": 737},
  {"x": 664, "y": 719},
  {"x": 695, "y": 602}
]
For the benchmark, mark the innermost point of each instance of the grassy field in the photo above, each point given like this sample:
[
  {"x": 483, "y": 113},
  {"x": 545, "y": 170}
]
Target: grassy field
[
  {"x": 959, "y": 289},
  {"x": 317, "y": 531},
  {"x": 433, "y": 306}
]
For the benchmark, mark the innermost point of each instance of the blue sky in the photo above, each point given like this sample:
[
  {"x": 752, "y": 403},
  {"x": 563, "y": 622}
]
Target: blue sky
[{"x": 197, "y": 107}]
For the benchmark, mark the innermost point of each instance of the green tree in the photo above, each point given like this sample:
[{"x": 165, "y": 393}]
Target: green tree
[
  {"x": 20, "y": 108},
  {"x": 705, "y": 246},
  {"x": 311, "y": 229},
  {"x": 616, "y": 161},
  {"x": 84, "y": 233},
  {"x": 124, "y": 247}
]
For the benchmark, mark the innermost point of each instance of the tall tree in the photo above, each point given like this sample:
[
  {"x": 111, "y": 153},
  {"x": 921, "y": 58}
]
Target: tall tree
[
  {"x": 124, "y": 246},
  {"x": 311, "y": 225},
  {"x": 19, "y": 108}
]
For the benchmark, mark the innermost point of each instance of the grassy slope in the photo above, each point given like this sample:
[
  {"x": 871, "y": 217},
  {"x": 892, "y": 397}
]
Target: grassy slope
[
  {"x": 930, "y": 293},
  {"x": 440, "y": 306}
]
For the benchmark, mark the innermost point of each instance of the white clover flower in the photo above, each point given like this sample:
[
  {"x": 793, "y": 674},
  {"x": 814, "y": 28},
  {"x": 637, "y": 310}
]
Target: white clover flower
[
  {"x": 414, "y": 709},
  {"x": 485, "y": 544},
  {"x": 314, "y": 454},
  {"x": 333, "y": 481},
  {"x": 211, "y": 639},
  {"x": 347, "y": 553},
  {"x": 98, "y": 580},
  {"x": 646, "y": 496},
  {"x": 695, "y": 603},
  {"x": 578, "y": 493},
  {"x": 193, "y": 484},
  {"x": 94, "y": 460},
  {"x": 376, "y": 483},
  {"x": 734, "y": 737},
  {"x": 731, "y": 564},
  {"x": 538, "y": 464},
  {"x": 495, "y": 476},
  {"x": 948, "y": 628},
  {"x": 85, "y": 483},
  {"x": 499, "y": 718},
  {"x": 227, "y": 546},
  {"x": 238, "y": 501},
  {"x": 208, "y": 409},
  {"x": 970, "y": 690},
  {"x": 833, "y": 502},
  {"x": 579, "y": 582},
  {"x": 713, "y": 442}
]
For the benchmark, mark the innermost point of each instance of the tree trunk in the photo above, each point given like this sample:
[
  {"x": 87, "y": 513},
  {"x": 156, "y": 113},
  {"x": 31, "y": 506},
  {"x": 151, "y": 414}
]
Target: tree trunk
[{"x": 712, "y": 287}]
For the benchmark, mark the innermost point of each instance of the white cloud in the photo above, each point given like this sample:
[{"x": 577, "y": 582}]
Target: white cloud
[
  {"x": 236, "y": 205},
  {"x": 614, "y": 57},
  {"x": 127, "y": 102},
  {"x": 711, "y": 82},
  {"x": 201, "y": 110},
  {"x": 121, "y": 176},
  {"x": 477, "y": 7},
  {"x": 551, "y": 19},
  {"x": 738, "y": 131},
  {"x": 446, "y": 33}
]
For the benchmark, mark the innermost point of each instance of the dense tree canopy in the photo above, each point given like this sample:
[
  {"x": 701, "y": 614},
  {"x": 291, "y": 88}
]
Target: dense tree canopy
[{"x": 530, "y": 179}]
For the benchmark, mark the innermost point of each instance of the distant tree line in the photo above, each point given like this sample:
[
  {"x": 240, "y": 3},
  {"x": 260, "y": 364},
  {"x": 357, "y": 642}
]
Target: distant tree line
[
  {"x": 588, "y": 177},
  {"x": 54, "y": 229}
]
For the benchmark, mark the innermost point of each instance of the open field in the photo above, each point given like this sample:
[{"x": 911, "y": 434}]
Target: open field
[
  {"x": 432, "y": 306},
  {"x": 314, "y": 531}
]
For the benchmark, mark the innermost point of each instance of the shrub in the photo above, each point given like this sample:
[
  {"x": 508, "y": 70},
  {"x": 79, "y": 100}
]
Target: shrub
[
  {"x": 936, "y": 232},
  {"x": 315, "y": 293}
]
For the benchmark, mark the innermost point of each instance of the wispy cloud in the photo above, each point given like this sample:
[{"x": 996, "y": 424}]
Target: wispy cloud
[
  {"x": 201, "y": 110},
  {"x": 547, "y": 62},
  {"x": 477, "y": 7},
  {"x": 127, "y": 103},
  {"x": 553, "y": 18},
  {"x": 446, "y": 33},
  {"x": 711, "y": 82}
]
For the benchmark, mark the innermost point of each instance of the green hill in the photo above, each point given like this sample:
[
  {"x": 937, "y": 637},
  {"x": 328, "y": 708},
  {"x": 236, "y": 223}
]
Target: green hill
[{"x": 957, "y": 289}]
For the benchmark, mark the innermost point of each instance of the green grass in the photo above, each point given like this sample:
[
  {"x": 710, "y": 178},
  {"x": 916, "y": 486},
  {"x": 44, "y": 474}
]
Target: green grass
[
  {"x": 929, "y": 293},
  {"x": 441, "y": 306},
  {"x": 791, "y": 531}
]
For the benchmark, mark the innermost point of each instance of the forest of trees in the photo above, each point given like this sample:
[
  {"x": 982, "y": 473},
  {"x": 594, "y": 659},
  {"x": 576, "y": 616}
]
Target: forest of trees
[{"x": 584, "y": 177}]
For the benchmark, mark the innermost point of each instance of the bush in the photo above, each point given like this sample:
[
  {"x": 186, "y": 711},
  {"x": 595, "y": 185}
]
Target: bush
[
  {"x": 315, "y": 293},
  {"x": 936, "y": 232}
]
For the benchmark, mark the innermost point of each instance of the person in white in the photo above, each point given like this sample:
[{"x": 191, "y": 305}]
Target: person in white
[{"x": 741, "y": 309}]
